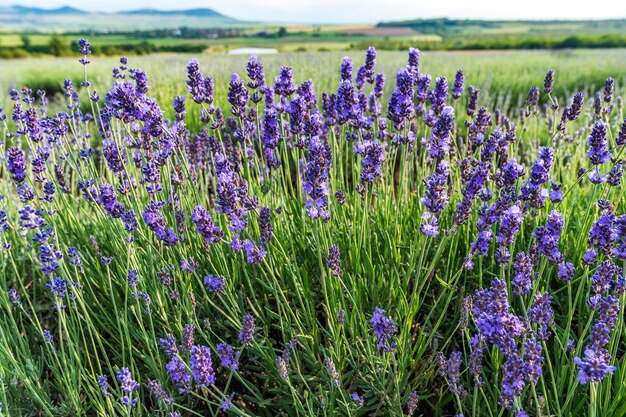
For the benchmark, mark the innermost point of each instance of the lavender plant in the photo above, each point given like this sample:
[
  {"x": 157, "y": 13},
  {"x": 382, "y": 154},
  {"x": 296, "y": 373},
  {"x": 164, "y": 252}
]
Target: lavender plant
[{"x": 261, "y": 247}]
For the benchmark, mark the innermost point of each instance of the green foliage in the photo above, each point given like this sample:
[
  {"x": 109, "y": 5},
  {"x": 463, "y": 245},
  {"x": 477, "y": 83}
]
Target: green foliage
[
  {"x": 58, "y": 47},
  {"x": 26, "y": 43}
]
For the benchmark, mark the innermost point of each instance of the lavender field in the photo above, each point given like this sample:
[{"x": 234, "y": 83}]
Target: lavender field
[{"x": 386, "y": 234}]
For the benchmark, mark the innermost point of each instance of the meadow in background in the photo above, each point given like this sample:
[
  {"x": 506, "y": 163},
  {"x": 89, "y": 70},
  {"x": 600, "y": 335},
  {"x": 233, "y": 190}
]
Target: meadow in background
[{"x": 178, "y": 240}]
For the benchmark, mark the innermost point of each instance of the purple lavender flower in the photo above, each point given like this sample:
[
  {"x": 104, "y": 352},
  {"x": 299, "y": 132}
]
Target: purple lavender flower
[
  {"x": 103, "y": 383},
  {"x": 49, "y": 257},
  {"x": 357, "y": 399},
  {"x": 201, "y": 366},
  {"x": 315, "y": 178},
  {"x": 179, "y": 375},
  {"x": 346, "y": 69},
  {"x": 108, "y": 199},
  {"x": 58, "y": 287},
  {"x": 600, "y": 335},
  {"x": 373, "y": 155},
  {"x": 577, "y": 106},
  {"x": 621, "y": 137},
  {"x": 548, "y": 237},
  {"x": 566, "y": 271},
  {"x": 16, "y": 164},
  {"x": 603, "y": 233},
  {"x": 411, "y": 404},
  {"x": 450, "y": 369},
  {"x": 215, "y": 284},
  {"x": 439, "y": 96},
  {"x": 533, "y": 97},
  {"x": 26, "y": 193},
  {"x": 246, "y": 336},
  {"x": 188, "y": 265},
  {"x": 493, "y": 320},
  {"x": 130, "y": 221},
  {"x": 540, "y": 313},
  {"x": 265, "y": 226},
  {"x": 14, "y": 297},
  {"x": 379, "y": 85},
  {"x": 187, "y": 339},
  {"x": 48, "y": 338},
  {"x": 457, "y": 89},
  {"x": 594, "y": 367},
  {"x": 475, "y": 365},
  {"x": 556, "y": 194},
  {"x": 332, "y": 371},
  {"x": 228, "y": 357},
  {"x": 513, "y": 375},
  {"x": 156, "y": 222},
  {"x": 609, "y": 89},
  {"x": 334, "y": 261},
  {"x": 232, "y": 194},
  {"x": 539, "y": 174},
  {"x": 204, "y": 225},
  {"x": 472, "y": 104},
  {"x": 589, "y": 258},
  {"x": 127, "y": 385},
  {"x": 510, "y": 223},
  {"x": 341, "y": 316},
  {"x": 401, "y": 101},
  {"x": 282, "y": 364},
  {"x": 414, "y": 62},
  {"x": 237, "y": 96},
  {"x": 429, "y": 225},
  {"x": 618, "y": 237},
  {"x": 614, "y": 177},
  {"x": 30, "y": 218},
  {"x": 200, "y": 87},
  {"x": 227, "y": 403},
  {"x": 270, "y": 138},
  {"x": 603, "y": 278},
  {"x": 255, "y": 73},
  {"x": 283, "y": 84},
  {"x": 254, "y": 254},
  {"x": 422, "y": 84},
  {"x": 598, "y": 152},
  {"x": 384, "y": 329},
  {"x": 441, "y": 138},
  {"x": 548, "y": 82},
  {"x": 346, "y": 107},
  {"x": 479, "y": 247},
  {"x": 608, "y": 310},
  {"x": 132, "y": 278},
  {"x": 159, "y": 394}
]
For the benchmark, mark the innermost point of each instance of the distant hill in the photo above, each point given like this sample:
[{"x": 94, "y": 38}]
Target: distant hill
[
  {"x": 37, "y": 10},
  {"x": 519, "y": 28},
  {"x": 21, "y": 18},
  {"x": 189, "y": 12}
]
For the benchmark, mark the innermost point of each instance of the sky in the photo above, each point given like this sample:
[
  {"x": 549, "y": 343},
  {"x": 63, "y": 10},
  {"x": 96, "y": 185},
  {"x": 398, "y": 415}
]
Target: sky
[{"x": 363, "y": 11}]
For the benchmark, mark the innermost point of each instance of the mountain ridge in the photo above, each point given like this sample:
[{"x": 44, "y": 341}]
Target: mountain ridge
[{"x": 68, "y": 10}]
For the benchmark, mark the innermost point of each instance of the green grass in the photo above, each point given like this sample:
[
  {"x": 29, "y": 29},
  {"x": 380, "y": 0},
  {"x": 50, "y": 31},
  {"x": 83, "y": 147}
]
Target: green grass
[
  {"x": 420, "y": 281},
  {"x": 503, "y": 77}
]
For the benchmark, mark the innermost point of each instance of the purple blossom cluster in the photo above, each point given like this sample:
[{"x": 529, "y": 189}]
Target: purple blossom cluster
[
  {"x": 518, "y": 339},
  {"x": 385, "y": 329},
  {"x": 605, "y": 290}
]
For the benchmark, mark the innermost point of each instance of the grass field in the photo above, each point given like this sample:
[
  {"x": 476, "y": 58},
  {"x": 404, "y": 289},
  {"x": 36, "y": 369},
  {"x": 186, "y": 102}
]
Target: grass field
[
  {"x": 267, "y": 244},
  {"x": 503, "y": 76}
]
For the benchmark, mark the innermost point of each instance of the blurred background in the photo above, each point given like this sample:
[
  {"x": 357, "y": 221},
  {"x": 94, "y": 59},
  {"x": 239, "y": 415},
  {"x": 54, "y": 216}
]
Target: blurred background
[{"x": 489, "y": 39}]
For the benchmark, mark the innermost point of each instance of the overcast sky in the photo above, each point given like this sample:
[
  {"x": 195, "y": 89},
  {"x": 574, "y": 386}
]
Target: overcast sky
[{"x": 348, "y": 11}]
